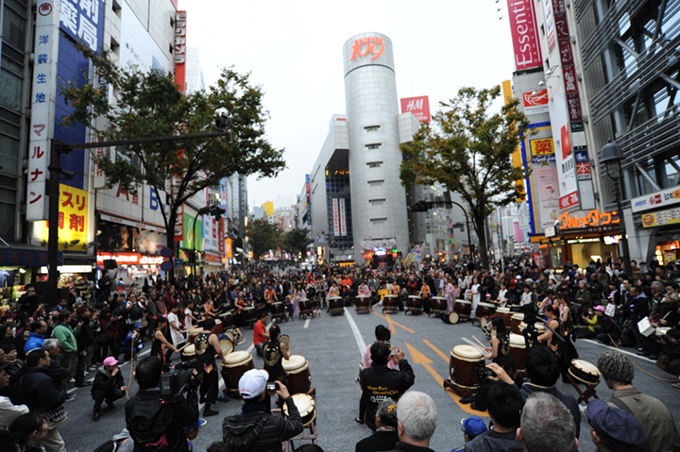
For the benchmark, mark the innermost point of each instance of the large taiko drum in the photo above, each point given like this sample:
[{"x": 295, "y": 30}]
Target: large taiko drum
[
  {"x": 362, "y": 304},
  {"x": 390, "y": 303},
  {"x": 437, "y": 306},
  {"x": 463, "y": 364},
  {"x": 414, "y": 305},
  {"x": 335, "y": 305},
  {"x": 584, "y": 372},
  {"x": 306, "y": 308},
  {"x": 227, "y": 320},
  {"x": 540, "y": 327},
  {"x": 506, "y": 315},
  {"x": 249, "y": 316},
  {"x": 305, "y": 405},
  {"x": 485, "y": 309},
  {"x": 463, "y": 308},
  {"x": 226, "y": 344},
  {"x": 278, "y": 309},
  {"x": 298, "y": 379},
  {"x": 188, "y": 353},
  {"x": 234, "y": 365},
  {"x": 518, "y": 350},
  {"x": 193, "y": 334},
  {"x": 218, "y": 327},
  {"x": 515, "y": 320}
]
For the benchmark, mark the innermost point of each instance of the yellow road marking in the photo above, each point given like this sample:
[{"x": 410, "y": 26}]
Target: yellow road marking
[
  {"x": 436, "y": 350},
  {"x": 419, "y": 358},
  {"x": 392, "y": 323}
]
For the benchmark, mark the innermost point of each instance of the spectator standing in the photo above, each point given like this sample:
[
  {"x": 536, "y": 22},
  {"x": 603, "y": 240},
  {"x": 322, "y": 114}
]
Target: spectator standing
[
  {"x": 68, "y": 347},
  {"x": 657, "y": 421}
]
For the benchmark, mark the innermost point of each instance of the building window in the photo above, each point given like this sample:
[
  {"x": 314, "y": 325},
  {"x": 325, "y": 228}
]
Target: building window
[
  {"x": 374, "y": 164},
  {"x": 373, "y": 146},
  {"x": 375, "y": 183},
  {"x": 376, "y": 202},
  {"x": 372, "y": 128},
  {"x": 377, "y": 221}
]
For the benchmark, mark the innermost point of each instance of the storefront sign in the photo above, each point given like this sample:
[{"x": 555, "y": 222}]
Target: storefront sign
[
  {"x": 129, "y": 259},
  {"x": 72, "y": 220},
  {"x": 362, "y": 47},
  {"x": 180, "y": 53},
  {"x": 594, "y": 218},
  {"x": 543, "y": 147},
  {"x": 419, "y": 106},
  {"x": 525, "y": 40},
  {"x": 25, "y": 258},
  {"x": 611, "y": 239},
  {"x": 535, "y": 104},
  {"x": 582, "y": 165},
  {"x": 670, "y": 216},
  {"x": 659, "y": 199},
  {"x": 583, "y": 240}
]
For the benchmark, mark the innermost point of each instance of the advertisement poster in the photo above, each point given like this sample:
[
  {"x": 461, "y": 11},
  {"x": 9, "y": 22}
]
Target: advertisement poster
[
  {"x": 564, "y": 155},
  {"x": 336, "y": 218},
  {"x": 343, "y": 219},
  {"x": 547, "y": 196},
  {"x": 525, "y": 40},
  {"x": 419, "y": 106}
]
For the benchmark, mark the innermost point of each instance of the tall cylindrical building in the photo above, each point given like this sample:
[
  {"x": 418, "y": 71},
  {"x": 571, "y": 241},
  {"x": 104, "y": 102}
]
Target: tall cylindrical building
[{"x": 378, "y": 199}]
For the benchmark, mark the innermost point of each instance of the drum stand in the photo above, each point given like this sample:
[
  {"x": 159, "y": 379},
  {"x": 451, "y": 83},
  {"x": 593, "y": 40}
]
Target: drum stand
[
  {"x": 289, "y": 446},
  {"x": 584, "y": 396}
]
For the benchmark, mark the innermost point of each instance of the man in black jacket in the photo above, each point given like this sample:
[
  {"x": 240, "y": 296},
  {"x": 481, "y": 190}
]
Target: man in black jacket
[
  {"x": 41, "y": 394},
  {"x": 255, "y": 429},
  {"x": 108, "y": 385},
  {"x": 157, "y": 425},
  {"x": 379, "y": 382}
]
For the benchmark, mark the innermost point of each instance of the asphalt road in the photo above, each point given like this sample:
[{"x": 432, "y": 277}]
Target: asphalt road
[{"x": 333, "y": 346}]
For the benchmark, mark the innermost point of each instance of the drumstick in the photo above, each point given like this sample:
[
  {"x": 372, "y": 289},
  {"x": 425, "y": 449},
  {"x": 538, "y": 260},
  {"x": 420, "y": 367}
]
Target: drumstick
[
  {"x": 480, "y": 344},
  {"x": 183, "y": 347}
]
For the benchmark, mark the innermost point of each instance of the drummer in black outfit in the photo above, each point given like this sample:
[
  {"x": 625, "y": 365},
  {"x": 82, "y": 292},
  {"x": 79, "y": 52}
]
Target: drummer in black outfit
[
  {"x": 160, "y": 340},
  {"x": 273, "y": 352},
  {"x": 207, "y": 346}
]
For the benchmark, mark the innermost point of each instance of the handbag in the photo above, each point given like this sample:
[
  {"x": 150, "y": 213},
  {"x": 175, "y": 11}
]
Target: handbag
[
  {"x": 645, "y": 327},
  {"x": 610, "y": 310}
]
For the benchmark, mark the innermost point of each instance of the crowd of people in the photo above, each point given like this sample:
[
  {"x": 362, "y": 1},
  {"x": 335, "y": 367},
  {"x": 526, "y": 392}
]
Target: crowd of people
[{"x": 45, "y": 348}]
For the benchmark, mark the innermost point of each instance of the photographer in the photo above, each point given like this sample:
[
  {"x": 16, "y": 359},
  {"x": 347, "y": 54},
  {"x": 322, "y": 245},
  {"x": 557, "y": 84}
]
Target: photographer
[
  {"x": 156, "y": 422},
  {"x": 669, "y": 360}
]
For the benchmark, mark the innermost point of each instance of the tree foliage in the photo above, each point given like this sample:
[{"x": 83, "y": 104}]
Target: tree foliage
[
  {"x": 151, "y": 105},
  {"x": 296, "y": 241},
  {"x": 263, "y": 236},
  {"x": 469, "y": 150}
]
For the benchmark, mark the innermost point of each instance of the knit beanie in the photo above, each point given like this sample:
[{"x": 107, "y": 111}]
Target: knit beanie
[{"x": 616, "y": 366}]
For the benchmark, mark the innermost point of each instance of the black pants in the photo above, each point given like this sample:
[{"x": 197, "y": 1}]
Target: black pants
[
  {"x": 80, "y": 370},
  {"x": 110, "y": 396},
  {"x": 209, "y": 386}
]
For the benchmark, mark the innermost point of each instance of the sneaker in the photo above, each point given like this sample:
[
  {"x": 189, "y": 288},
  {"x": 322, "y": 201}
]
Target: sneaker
[
  {"x": 676, "y": 385},
  {"x": 71, "y": 397},
  {"x": 95, "y": 416},
  {"x": 209, "y": 412},
  {"x": 72, "y": 380}
]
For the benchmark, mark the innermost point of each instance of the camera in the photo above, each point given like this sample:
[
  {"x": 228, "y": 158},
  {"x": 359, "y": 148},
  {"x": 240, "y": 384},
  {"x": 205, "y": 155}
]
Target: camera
[
  {"x": 273, "y": 386},
  {"x": 484, "y": 372},
  {"x": 176, "y": 381}
]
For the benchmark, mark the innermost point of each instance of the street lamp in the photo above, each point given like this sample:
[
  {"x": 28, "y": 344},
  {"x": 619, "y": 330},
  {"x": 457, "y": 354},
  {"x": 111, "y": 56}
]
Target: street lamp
[{"x": 611, "y": 156}]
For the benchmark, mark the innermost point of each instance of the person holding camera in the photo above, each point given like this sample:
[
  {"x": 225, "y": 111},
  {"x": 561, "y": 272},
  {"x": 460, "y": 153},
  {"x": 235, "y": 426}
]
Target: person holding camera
[
  {"x": 255, "y": 429},
  {"x": 156, "y": 421},
  {"x": 379, "y": 382}
]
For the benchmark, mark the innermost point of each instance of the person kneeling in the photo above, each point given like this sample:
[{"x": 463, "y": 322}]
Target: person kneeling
[{"x": 108, "y": 385}]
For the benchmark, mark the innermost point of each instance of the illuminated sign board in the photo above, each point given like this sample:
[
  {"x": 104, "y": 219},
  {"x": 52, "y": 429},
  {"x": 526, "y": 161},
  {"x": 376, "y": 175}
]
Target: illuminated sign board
[
  {"x": 362, "y": 47},
  {"x": 593, "y": 218}
]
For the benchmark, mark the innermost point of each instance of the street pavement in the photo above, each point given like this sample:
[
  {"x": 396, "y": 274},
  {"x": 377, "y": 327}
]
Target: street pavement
[{"x": 334, "y": 346}]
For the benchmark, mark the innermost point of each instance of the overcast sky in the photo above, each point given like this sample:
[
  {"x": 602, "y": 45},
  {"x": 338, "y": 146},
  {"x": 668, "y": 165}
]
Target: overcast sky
[{"x": 293, "y": 48}]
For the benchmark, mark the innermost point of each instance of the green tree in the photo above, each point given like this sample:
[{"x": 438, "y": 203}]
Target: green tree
[
  {"x": 296, "y": 241},
  {"x": 151, "y": 105},
  {"x": 263, "y": 236},
  {"x": 468, "y": 150}
]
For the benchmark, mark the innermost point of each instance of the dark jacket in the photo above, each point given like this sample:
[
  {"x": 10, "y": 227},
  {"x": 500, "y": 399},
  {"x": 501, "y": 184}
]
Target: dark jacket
[
  {"x": 257, "y": 431},
  {"x": 58, "y": 372},
  {"x": 568, "y": 401},
  {"x": 159, "y": 427},
  {"x": 492, "y": 441},
  {"x": 406, "y": 447},
  {"x": 40, "y": 391},
  {"x": 380, "y": 382},
  {"x": 104, "y": 381},
  {"x": 378, "y": 441}
]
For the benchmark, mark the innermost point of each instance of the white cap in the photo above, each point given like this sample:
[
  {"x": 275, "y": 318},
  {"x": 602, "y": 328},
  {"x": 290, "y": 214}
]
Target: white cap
[{"x": 253, "y": 383}]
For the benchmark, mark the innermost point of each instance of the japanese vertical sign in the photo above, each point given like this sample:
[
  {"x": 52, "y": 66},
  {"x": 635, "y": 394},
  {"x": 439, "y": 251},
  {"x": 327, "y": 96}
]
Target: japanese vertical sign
[
  {"x": 180, "y": 51},
  {"x": 81, "y": 19},
  {"x": 336, "y": 218},
  {"x": 309, "y": 200},
  {"x": 224, "y": 192},
  {"x": 343, "y": 218},
  {"x": 72, "y": 219},
  {"x": 43, "y": 99},
  {"x": 525, "y": 39}
]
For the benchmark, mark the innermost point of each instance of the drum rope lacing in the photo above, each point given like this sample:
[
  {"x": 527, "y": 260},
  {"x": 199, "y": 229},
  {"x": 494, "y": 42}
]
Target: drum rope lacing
[{"x": 651, "y": 375}]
